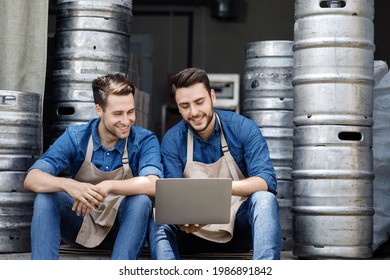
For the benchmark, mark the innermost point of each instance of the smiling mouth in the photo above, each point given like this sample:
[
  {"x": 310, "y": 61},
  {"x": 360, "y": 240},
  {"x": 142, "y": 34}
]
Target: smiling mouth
[
  {"x": 196, "y": 119},
  {"x": 123, "y": 129}
]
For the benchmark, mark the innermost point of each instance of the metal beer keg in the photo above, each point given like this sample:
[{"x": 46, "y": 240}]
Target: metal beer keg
[
  {"x": 332, "y": 191},
  {"x": 91, "y": 40},
  {"x": 20, "y": 146},
  {"x": 333, "y": 108},
  {"x": 21, "y": 129},
  {"x": 333, "y": 62},
  {"x": 268, "y": 95},
  {"x": 268, "y": 102}
]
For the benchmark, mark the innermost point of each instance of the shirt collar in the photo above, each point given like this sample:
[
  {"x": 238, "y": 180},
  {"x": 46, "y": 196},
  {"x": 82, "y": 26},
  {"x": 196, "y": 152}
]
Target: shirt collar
[{"x": 120, "y": 145}]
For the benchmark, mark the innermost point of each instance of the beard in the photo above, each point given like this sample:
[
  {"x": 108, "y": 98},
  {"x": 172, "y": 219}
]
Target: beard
[
  {"x": 115, "y": 132},
  {"x": 201, "y": 128}
]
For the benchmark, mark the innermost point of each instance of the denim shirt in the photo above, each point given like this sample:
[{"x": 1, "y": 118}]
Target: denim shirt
[
  {"x": 70, "y": 148},
  {"x": 246, "y": 144}
]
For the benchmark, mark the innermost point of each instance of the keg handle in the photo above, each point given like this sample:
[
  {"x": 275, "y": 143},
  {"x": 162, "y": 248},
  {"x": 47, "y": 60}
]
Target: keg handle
[
  {"x": 7, "y": 100},
  {"x": 350, "y": 136},
  {"x": 332, "y": 4},
  {"x": 66, "y": 111}
]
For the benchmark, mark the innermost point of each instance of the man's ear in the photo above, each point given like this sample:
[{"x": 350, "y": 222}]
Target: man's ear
[
  {"x": 213, "y": 97},
  {"x": 99, "y": 110}
]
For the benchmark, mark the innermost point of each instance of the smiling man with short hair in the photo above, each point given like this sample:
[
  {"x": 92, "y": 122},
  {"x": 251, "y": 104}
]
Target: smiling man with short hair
[{"x": 106, "y": 201}]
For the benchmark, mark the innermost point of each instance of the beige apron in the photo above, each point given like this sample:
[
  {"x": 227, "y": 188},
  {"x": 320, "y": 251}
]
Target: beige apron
[
  {"x": 225, "y": 167},
  {"x": 98, "y": 223}
]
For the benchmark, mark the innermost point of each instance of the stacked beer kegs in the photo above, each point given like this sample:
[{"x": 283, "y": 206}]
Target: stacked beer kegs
[
  {"x": 20, "y": 146},
  {"x": 333, "y": 163},
  {"x": 91, "y": 40},
  {"x": 268, "y": 101}
]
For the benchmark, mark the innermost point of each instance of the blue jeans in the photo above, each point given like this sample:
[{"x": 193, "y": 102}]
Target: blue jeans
[
  {"x": 54, "y": 222},
  {"x": 257, "y": 228}
]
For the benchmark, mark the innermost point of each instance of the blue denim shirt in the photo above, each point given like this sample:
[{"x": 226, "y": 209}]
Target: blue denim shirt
[
  {"x": 70, "y": 148},
  {"x": 246, "y": 144}
]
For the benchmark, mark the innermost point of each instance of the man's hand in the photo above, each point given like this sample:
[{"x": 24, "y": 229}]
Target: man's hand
[
  {"x": 81, "y": 208},
  {"x": 86, "y": 193},
  {"x": 87, "y": 197},
  {"x": 190, "y": 228}
]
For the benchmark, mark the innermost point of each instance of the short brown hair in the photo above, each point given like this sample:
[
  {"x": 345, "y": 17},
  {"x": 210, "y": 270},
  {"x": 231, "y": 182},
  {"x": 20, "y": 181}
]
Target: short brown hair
[
  {"x": 189, "y": 77},
  {"x": 116, "y": 84}
]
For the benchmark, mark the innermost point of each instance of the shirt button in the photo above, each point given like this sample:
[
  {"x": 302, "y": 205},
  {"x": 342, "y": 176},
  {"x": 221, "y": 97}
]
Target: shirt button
[
  {"x": 106, "y": 167},
  {"x": 108, "y": 154}
]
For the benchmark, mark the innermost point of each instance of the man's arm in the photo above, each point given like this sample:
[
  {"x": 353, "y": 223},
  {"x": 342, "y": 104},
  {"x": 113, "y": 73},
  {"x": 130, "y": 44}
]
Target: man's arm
[
  {"x": 41, "y": 182},
  {"x": 248, "y": 186},
  {"x": 260, "y": 171},
  {"x": 170, "y": 155},
  {"x": 147, "y": 160},
  {"x": 136, "y": 185}
]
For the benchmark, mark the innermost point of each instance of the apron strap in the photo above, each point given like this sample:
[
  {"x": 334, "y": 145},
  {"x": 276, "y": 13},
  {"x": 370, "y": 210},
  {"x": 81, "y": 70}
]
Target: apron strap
[
  {"x": 125, "y": 160},
  {"x": 190, "y": 146},
  {"x": 228, "y": 156},
  {"x": 88, "y": 156}
]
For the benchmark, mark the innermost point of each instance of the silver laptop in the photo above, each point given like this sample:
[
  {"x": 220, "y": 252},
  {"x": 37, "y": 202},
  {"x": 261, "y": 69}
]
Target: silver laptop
[{"x": 193, "y": 201}]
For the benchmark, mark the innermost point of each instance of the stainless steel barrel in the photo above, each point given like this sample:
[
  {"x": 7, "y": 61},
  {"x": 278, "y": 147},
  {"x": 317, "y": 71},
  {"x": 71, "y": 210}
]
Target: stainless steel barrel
[
  {"x": 333, "y": 108},
  {"x": 333, "y": 62},
  {"x": 20, "y": 146},
  {"x": 268, "y": 101},
  {"x": 92, "y": 39},
  {"x": 20, "y": 129},
  {"x": 268, "y": 94},
  {"x": 332, "y": 191}
]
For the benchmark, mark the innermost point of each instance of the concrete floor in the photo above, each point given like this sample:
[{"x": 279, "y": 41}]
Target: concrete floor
[
  {"x": 286, "y": 255},
  {"x": 69, "y": 255}
]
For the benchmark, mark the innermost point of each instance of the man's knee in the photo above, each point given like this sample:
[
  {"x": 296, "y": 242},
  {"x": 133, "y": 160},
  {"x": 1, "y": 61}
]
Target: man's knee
[
  {"x": 264, "y": 200},
  {"x": 140, "y": 201},
  {"x": 45, "y": 200}
]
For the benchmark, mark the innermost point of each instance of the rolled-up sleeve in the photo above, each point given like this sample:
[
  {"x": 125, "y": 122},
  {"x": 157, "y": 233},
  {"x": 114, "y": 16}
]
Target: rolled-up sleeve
[
  {"x": 57, "y": 157},
  {"x": 149, "y": 156},
  {"x": 257, "y": 156}
]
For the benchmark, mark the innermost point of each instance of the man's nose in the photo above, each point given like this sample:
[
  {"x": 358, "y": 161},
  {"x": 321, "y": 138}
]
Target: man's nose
[
  {"x": 125, "y": 119},
  {"x": 194, "y": 110}
]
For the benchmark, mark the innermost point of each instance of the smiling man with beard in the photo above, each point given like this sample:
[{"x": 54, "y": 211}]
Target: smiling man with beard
[
  {"x": 211, "y": 143},
  {"x": 113, "y": 165}
]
